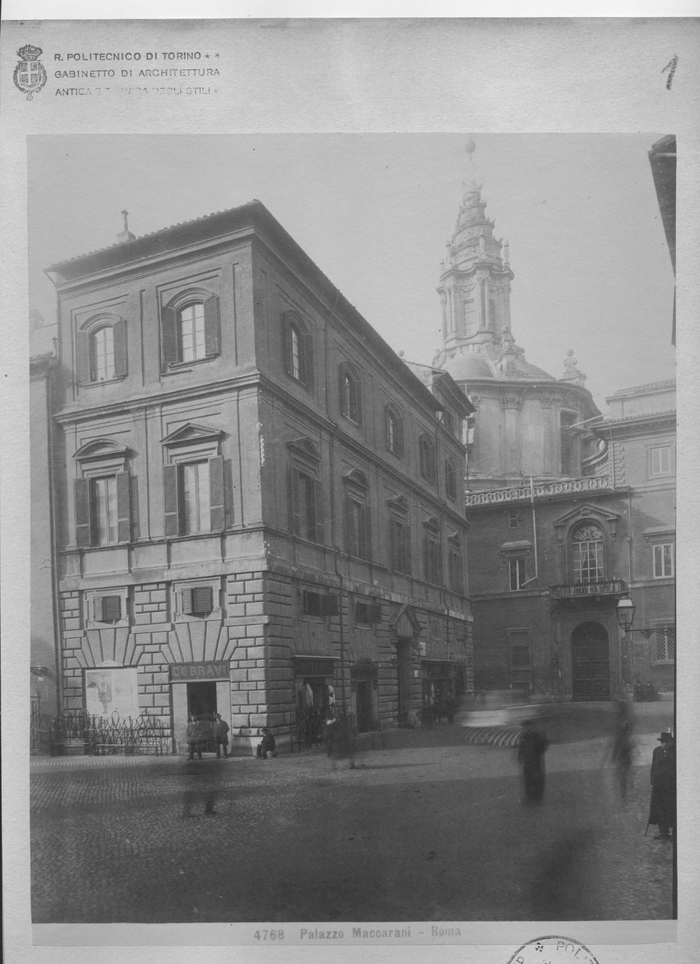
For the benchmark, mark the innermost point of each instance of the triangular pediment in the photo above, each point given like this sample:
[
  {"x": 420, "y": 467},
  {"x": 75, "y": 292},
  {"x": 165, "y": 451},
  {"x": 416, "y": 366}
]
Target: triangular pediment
[
  {"x": 586, "y": 511},
  {"x": 406, "y": 625},
  {"x": 101, "y": 448},
  {"x": 305, "y": 447},
  {"x": 192, "y": 432}
]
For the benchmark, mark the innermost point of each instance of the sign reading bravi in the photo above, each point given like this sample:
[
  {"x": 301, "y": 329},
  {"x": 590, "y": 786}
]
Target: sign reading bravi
[{"x": 189, "y": 672}]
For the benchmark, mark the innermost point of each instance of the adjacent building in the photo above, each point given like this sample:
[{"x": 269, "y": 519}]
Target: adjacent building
[
  {"x": 568, "y": 511},
  {"x": 259, "y": 506}
]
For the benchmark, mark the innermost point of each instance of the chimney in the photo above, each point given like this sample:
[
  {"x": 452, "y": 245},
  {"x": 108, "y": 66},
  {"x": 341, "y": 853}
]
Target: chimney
[{"x": 126, "y": 234}]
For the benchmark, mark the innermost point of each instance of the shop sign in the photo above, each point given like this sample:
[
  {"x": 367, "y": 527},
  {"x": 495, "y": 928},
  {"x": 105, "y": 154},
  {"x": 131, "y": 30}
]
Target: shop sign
[
  {"x": 305, "y": 666},
  {"x": 190, "y": 672}
]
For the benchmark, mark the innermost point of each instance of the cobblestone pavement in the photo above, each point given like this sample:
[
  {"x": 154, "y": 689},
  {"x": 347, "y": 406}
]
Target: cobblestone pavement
[{"x": 424, "y": 827}]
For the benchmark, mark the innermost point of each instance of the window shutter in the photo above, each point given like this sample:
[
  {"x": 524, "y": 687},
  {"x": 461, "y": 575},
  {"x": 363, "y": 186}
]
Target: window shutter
[
  {"x": 367, "y": 532},
  {"x": 405, "y": 549},
  {"x": 168, "y": 321},
  {"x": 399, "y": 437},
  {"x": 97, "y": 613},
  {"x": 287, "y": 344},
  {"x": 216, "y": 484},
  {"x": 120, "y": 359},
  {"x": 111, "y": 609},
  {"x": 375, "y": 613},
  {"x": 83, "y": 534},
  {"x": 329, "y": 605},
  {"x": 123, "y": 507},
  {"x": 318, "y": 513},
  {"x": 440, "y": 563},
  {"x": 358, "y": 401},
  {"x": 293, "y": 500},
  {"x": 211, "y": 325},
  {"x": 83, "y": 359},
  {"x": 307, "y": 367},
  {"x": 171, "y": 500},
  {"x": 202, "y": 599},
  {"x": 186, "y": 601},
  {"x": 341, "y": 388}
]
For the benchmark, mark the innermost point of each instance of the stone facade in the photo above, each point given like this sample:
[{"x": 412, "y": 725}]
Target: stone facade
[{"x": 254, "y": 507}]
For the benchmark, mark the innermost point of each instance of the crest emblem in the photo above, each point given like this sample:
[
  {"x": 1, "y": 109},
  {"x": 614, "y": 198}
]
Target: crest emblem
[{"x": 30, "y": 75}]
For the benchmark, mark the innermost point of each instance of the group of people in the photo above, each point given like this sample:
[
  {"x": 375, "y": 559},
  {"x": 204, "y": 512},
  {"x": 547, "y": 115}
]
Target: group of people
[
  {"x": 533, "y": 745},
  {"x": 209, "y": 729}
]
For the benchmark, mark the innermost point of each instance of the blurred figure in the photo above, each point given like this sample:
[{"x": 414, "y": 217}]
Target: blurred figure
[
  {"x": 531, "y": 750},
  {"x": 198, "y": 788},
  {"x": 623, "y": 745},
  {"x": 662, "y": 809},
  {"x": 266, "y": 747}
]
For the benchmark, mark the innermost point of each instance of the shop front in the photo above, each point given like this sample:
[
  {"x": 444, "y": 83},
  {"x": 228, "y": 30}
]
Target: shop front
[
  {"x": 199, "y": 691},
  {"x": 315, "y": 681}
]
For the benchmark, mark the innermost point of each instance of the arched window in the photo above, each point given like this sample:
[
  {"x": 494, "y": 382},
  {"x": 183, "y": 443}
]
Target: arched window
[
  {"x": 588, "y": 553},
  {"x": 101, "y": 345},
  {"x": 190, "y": 328},
  {"x": 102, "y": 354},
  {"x": 394, "y": 432},
  {"x": 190, "y": 320},
  {"x": 350, "y": 399},
  {"x": 298, "y": 349},
  {"x": 426, "y": 448}
]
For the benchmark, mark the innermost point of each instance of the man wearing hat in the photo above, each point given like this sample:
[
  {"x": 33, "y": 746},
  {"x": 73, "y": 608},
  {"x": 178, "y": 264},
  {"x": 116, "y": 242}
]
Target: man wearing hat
[{"x": 662, "y": 810}]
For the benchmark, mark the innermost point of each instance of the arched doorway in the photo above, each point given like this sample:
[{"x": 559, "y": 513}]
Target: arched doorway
[
  {"x": 591, "y": 662},
  {"x": 363, "y": 680}
]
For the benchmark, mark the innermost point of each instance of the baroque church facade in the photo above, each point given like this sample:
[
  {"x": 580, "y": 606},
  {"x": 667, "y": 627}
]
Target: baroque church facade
[{"x": 569, "y": 512}]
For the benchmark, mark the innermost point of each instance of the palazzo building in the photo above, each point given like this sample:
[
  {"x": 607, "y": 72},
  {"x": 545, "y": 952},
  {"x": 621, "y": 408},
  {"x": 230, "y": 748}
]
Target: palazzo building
[
  {"x": 259, "y": 507},
  {"x": 568, "y": 511}
]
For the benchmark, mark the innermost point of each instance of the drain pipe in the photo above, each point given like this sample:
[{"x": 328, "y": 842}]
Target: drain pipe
[{"x": 534, "y": 534}]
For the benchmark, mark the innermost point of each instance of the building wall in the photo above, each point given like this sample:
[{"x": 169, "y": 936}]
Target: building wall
[{"x": 248, "y": 653}]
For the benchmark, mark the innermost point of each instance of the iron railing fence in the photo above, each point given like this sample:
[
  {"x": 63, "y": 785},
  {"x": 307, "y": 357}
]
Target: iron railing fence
[
  {"x": 79, "y": 731},
  {"x": 39, "y": 731}
]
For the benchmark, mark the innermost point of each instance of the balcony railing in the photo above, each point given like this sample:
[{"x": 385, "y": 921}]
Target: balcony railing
[
  {"x": 544, "y": 490},
  {"x": 608, "y": 587}
]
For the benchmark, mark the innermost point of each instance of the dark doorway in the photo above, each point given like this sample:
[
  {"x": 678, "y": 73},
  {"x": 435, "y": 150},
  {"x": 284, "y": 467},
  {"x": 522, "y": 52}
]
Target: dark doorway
[
  {"x": 403, "y": 665},
  {"x": 591, "y": 662},
  {"x": 201, "y": 699},
  {"x": 363, "y": 694}
]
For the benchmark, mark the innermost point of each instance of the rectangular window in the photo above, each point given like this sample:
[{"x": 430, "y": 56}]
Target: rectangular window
[
  {"x": 520, "y": 656},
  {"x": 664, "y": 642},
  {"x": 660, "y": 460},
  {"x": 306, "y": 505},
  {"x": 198, "y": 601},
  {"x": 400, "y": 550},
  {"x": 104, "y": 493},
  {"x": 432, "y": 559},
  {"x": 311, "y": 603},
  {"x": 192, "y": 332},
  {"x": 456, "y": 571},
  {"x": 196, "y": 504},
  {"x": 516, "y": 572},
  {"x": 513, "y": 519},
  {"x": 663, "y": 560}
]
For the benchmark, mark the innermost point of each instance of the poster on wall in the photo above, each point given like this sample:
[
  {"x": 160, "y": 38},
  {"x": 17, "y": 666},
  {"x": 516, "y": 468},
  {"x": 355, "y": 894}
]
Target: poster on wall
[{"x": 111, "y": 690}]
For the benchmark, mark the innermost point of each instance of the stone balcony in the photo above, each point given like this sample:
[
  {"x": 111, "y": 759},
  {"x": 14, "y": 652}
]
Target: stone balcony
[
  {"x": 544, "y": 490},
  {"x": 607, "y": 587}
]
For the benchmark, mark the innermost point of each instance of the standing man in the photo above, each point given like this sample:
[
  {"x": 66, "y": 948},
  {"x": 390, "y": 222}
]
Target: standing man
[
  {"x": 662, "y": 810},
  {"x": 623, "y": 745},
  {"x": 222, "y": 729},
  {"x": 531, "y": 749}
]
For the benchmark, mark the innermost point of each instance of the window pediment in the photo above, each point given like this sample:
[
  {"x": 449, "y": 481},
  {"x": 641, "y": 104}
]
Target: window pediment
[
  {"x": 432, "y": 524},
  {"x": 192, "y": 432},
  {"x": 400, "y": 504},
  {"x": 518, "y": 548},
  {"x": 585, "y": 512},
  {"x": 304, "y": 447},
  {"x": 406, "y": 625},
  {"x": 357, "y": 478},
  {"x": 101, "y": 448}
]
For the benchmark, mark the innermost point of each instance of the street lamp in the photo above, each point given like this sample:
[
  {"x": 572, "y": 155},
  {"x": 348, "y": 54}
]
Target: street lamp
[{"x": 625, "y": 617}]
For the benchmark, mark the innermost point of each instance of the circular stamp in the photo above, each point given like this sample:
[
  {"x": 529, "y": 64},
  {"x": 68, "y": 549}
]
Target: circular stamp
[{"x": 553, "y": 949}]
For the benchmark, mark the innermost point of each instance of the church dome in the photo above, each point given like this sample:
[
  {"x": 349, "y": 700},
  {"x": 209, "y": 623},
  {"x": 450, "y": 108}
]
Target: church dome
[
  {"x": 468, "y": 366},
  {"x": 474, "y": 366}
]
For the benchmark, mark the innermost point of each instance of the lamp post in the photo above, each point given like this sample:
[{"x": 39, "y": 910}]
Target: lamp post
[{"x": 625, "y": 616}]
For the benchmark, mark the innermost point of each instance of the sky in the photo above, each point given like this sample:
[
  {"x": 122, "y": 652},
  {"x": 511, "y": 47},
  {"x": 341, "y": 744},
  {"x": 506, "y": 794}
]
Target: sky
[{"x": 374, "y": 212}]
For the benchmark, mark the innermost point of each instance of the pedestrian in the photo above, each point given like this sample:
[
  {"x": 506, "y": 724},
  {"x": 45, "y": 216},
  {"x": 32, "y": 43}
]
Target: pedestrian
[
  {"x": 662, "y": 809},
  {"x": 531, "y": 749},
  {"x": 222, "y": 729},
  {"x": 623, "y": 745},
  {"x": 266, "y": 747},
  {"x": 192, "y": 738}
]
